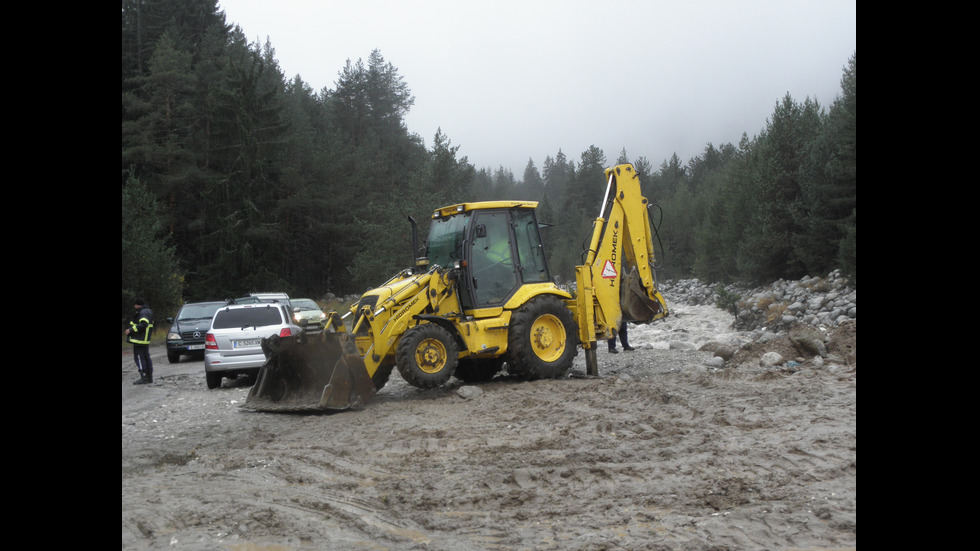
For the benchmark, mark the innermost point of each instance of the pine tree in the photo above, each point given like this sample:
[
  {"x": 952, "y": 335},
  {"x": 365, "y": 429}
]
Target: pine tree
[
  {"x": 827, "y": 207},
  {"x": 533, "y": 183},
  {"x": 765, "y": 252},
  {"x": 149, "y": 265}
]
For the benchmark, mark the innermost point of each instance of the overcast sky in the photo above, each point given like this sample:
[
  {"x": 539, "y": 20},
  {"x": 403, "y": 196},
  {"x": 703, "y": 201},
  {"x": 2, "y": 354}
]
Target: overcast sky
[{"x": 509, "y": 81}]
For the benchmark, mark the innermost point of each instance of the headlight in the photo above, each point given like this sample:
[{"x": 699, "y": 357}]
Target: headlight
[{"x": 173, "y": 336}]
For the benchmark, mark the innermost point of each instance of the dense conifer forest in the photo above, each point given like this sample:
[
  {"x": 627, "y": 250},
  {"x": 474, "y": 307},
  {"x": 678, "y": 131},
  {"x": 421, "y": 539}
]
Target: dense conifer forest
[{"x": 236, "y": 178}]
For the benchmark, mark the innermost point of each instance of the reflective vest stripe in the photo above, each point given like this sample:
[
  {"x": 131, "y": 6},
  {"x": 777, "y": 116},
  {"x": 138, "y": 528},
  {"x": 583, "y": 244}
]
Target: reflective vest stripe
[{"x": 146, "y": 332}]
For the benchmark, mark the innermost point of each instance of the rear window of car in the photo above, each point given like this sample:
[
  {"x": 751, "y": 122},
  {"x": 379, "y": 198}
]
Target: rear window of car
[{"x": 247, "y": 317}]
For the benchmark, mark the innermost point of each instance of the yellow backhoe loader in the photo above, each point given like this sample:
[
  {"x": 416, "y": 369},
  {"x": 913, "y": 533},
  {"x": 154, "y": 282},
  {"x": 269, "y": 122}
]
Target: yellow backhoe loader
[{"x": 480, "y": 296}]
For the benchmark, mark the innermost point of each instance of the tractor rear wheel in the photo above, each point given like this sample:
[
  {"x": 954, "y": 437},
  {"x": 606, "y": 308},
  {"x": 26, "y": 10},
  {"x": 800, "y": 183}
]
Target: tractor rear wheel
[{"x": 543, "y": 339}]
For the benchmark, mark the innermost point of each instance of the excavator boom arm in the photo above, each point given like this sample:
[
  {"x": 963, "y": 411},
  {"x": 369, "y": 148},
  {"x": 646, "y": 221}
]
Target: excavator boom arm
[{"x": 617, "y": 283}]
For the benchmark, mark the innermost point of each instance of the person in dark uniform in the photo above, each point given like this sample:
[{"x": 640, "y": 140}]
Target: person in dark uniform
[
  {"x": 139, "y": 333},
  {"x": 623, "y": 338}
]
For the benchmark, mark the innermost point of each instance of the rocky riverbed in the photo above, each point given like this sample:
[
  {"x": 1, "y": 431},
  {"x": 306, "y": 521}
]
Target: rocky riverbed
[{"x": 717, "y": 433}]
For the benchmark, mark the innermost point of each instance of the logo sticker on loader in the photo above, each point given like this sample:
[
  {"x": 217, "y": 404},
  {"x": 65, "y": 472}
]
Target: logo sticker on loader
[{"x": 609, "y": 271}]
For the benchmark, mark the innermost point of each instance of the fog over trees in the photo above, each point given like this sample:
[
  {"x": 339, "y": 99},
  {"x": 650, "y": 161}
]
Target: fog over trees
[{"x": 237, "y": 179}]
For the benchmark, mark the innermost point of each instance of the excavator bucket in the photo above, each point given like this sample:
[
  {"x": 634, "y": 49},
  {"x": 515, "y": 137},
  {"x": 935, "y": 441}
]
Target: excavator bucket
[
  {"x": 310, "y": 373},
  {"x": 636, "y": 305}
]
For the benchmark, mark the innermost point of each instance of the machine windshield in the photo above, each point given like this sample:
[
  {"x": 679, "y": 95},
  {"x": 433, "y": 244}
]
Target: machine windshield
[{"x": 446, "y": 236}]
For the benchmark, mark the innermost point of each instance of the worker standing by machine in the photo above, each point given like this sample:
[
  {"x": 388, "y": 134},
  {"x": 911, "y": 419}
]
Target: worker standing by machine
[{"x": 623, "y": 339}]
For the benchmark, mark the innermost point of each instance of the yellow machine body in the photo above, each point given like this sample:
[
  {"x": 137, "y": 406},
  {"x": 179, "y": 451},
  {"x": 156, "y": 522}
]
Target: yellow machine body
[{"x": 481, "y": 297}]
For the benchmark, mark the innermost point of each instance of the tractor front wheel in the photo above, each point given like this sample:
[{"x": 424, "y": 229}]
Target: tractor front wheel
[{"x": 426, "y": 356}]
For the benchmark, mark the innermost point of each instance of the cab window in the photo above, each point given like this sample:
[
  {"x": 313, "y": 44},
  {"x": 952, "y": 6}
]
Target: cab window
[
  {"x": 492, "y": 264},
  {"x": 533, "y": 267}
]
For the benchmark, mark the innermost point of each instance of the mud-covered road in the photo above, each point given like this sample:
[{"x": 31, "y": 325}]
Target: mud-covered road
[{"x": 659, "y": 452}]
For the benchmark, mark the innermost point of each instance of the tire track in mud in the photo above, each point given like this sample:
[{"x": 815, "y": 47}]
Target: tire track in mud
[
  {"x": 655, "y": 454},
  {"x": 539, "y": 469}
]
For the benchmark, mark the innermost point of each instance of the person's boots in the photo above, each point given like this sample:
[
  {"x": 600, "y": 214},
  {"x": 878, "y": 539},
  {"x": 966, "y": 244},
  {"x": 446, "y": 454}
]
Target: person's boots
[
  {"x": 142, "y": 380},
  {"x": 149, "y": 378}
]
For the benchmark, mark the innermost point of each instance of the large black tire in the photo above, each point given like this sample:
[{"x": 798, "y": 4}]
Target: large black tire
[
  {"x": 173, "y": 356},
  {"x": 478, "y": 370},
  {"x": 426, "y": 356},
  {"x": 543, "y": 339}
]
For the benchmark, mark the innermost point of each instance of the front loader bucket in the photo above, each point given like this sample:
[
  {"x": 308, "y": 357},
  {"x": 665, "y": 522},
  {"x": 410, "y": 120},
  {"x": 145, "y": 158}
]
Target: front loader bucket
[{"x": 322, "y": 372}]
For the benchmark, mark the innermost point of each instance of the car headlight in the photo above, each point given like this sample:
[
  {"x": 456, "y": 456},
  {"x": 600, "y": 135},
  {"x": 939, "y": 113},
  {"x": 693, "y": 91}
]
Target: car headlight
[{"x": 173, "y": 336}]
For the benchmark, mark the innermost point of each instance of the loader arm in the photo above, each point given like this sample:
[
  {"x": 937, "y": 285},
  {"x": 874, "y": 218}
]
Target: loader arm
[
  {"x": 336, "y": 369},
  {"x": 617, "y": 282},
  {"x": 433, "y": 292}
]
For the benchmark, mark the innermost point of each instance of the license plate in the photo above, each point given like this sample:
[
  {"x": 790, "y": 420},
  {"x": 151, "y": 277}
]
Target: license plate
[
  {"x": 195, "y": 347},
  {"x": 250, "y": 343}
]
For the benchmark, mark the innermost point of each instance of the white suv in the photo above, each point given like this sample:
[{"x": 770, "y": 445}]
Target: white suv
[{"x": 233, "y": 346}]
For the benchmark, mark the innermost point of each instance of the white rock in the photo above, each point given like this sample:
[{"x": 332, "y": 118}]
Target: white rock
[
  {"x": 469, "y": 392},
  {"x": 770, "y": 359},
  {"x": 715, "y": 361}
]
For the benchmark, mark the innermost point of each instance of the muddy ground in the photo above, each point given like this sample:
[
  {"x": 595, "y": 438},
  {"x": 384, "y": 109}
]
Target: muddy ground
[{"x": 659, "y": 452}]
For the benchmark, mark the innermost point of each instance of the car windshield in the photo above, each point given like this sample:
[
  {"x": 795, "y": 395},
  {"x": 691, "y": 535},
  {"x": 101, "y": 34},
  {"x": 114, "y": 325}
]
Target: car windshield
[
  {"x": 198, "y": 311},
  {"x": 303, "y": 305},
  {"x": 259, "y": 316}
]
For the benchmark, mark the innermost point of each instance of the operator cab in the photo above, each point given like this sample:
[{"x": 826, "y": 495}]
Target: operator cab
[{"x": 497, "y": 245}]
